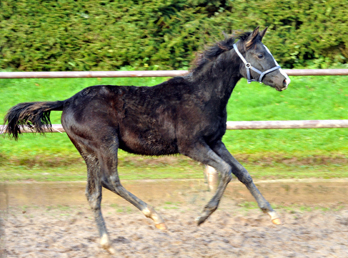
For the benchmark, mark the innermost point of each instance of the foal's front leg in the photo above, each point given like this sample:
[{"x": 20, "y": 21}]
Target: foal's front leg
[
  {"x": 243, "y": 175},
  {"x": 203, "y": 153}
]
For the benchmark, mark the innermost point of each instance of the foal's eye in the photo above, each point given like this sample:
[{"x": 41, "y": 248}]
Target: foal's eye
[{"x": 260, "y": 56}]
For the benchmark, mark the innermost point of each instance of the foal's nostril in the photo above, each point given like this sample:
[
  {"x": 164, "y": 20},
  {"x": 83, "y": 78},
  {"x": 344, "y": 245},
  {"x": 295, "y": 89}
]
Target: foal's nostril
[{"x": 285, "y": 83}]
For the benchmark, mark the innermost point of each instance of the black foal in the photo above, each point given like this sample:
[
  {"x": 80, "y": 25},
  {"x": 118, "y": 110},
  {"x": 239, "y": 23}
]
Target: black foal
[{"x": 184, "y": 115}]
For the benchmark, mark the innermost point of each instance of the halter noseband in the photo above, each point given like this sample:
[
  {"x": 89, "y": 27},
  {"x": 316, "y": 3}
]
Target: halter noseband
[{"x": 248, "y": 66}]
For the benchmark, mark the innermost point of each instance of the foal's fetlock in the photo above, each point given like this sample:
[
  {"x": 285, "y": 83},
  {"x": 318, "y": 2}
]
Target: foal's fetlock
[
  {"x": 106, "y": 244},
  {"x": 152, "y": 214},
  {"x": 205, "y": 214}
]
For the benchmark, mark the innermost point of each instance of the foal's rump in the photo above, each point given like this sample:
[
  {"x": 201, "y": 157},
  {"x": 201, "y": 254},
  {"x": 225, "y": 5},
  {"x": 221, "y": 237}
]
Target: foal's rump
[{"x": 139, "y": 117}]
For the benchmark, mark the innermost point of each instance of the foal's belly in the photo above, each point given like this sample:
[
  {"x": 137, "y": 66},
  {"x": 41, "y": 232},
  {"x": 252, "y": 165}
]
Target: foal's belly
[{"x": 152, "y": 142}]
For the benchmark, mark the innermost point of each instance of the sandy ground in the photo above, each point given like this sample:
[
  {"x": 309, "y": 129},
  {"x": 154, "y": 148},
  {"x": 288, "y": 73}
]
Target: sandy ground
[
  {"x": 236, "y": 229},
  {"x": 70, "y": 232}
]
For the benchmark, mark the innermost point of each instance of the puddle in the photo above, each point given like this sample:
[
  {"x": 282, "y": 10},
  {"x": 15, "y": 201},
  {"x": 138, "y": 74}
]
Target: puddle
[{"x": 158, "y": 192}]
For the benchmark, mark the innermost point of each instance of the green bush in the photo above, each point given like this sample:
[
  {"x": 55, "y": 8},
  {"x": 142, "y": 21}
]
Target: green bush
[{"x": 70, "y": 35}]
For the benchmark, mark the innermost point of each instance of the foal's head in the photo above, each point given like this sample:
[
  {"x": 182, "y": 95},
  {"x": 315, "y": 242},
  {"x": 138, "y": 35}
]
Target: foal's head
[{"x": 258, "y": 63}]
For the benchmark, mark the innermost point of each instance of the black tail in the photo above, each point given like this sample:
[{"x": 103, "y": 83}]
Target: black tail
[{"x": 35, "y": 115}]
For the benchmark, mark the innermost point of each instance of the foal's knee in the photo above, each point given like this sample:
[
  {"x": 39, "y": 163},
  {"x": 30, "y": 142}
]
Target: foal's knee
[
  {"x": 245, "y": 179},
  {"x": 227, "y": 177}
]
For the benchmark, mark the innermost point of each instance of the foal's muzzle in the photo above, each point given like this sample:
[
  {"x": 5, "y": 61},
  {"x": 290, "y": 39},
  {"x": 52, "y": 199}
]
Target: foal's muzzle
[{"x": 286, "y": 80}]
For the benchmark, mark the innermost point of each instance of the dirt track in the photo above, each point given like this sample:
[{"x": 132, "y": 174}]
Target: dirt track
[{"x": 234, "y": 230}]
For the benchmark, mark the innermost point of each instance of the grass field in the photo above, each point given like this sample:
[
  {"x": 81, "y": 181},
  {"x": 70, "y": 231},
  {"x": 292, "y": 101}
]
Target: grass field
[{"x": 290, "y": 153}]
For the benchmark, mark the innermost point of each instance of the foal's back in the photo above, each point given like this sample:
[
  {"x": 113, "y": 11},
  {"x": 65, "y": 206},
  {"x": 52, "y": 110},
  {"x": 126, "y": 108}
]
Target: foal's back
[{"x": 146, "y": 120}]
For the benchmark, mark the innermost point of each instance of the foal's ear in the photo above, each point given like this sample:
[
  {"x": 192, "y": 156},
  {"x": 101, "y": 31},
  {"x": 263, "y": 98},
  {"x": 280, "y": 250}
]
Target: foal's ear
[
  {"x": 262, "y": 33},
  {"x": 252, "y": 37},
  {"x": 225, "y": 35}
]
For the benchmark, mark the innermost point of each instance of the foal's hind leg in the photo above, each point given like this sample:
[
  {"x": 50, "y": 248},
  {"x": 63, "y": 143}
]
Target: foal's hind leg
[
  {"x": 243, "y": 175},
  {"x": 94, "y": 197},
  {"x": 114, "y": 185},
  {"x": 108, "y": 163},
  {"x": 94, "y": 194},
  {"x": 93, "y": 187}
]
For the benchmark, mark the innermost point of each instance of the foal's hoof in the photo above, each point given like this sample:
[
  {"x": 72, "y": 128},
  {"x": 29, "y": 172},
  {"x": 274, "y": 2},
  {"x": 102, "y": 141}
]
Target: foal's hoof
[
  {"x": 200, "y": 220},
  {"x": 274, "y": 218},
  {"x": 276, "y": 221},
  {"x": 204, "y": 215},
  {"x": 105, "y": 243},
  {"x": 111, "y": 250},
  {"x": 161, "y": 226}
]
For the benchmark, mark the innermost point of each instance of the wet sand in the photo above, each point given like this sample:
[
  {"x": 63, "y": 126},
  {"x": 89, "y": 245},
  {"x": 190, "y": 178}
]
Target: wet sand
[{"x": 281, "y": 192}]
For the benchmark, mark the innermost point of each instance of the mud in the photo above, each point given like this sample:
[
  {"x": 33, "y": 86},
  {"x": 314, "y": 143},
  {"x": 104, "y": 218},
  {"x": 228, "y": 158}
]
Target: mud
[
  {"x": 144, "y": 161},
  {"x": 54, "y": 220}
]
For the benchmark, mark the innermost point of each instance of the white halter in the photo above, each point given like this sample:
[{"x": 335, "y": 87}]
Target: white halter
[{"x": 248, "y": 66}]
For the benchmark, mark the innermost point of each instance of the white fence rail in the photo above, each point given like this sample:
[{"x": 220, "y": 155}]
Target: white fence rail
[
  {"x": 246, "y": 125},
  {"x": 231, "y": 125},
  {"x": 169, "y": 73}
]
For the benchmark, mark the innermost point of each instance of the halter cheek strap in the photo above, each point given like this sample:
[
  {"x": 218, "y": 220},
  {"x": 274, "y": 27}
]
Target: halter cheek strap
[
  {"x": 287, "y": 79},
  {"x": 248, "y": 66}
]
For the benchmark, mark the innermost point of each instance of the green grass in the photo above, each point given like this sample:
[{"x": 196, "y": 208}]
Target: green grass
[
  {"x": 308, "y": 98},
  {"x": 290, "y": 153}
]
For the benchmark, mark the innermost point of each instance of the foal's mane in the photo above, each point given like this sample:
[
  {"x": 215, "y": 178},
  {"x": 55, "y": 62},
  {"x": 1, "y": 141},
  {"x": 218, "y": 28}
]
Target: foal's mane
[{"x": 211, "y": 53}]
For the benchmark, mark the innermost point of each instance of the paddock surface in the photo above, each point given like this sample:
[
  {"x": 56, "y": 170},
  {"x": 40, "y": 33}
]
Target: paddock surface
[{"x": 54, "y": 220}]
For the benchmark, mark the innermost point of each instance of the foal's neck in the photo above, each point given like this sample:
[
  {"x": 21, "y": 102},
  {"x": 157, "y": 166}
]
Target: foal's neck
[{"x": 218, "y": 78}]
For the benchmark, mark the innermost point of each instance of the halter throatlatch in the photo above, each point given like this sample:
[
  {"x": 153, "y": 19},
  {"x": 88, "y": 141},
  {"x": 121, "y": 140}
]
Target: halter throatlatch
[{"x": 248, "y": 66}]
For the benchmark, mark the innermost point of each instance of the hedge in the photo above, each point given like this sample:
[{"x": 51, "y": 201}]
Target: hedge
[{"x": 65, "y": 35}]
